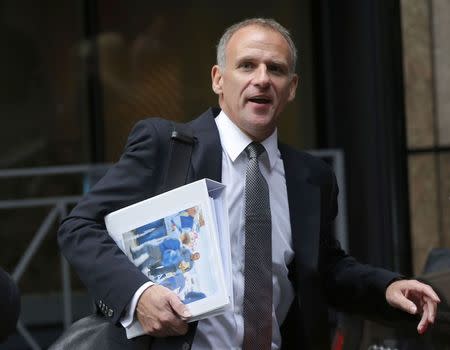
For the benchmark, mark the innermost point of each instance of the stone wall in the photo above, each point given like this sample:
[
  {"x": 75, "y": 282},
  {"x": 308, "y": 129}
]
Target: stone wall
[{"x": 426, "y": 52}]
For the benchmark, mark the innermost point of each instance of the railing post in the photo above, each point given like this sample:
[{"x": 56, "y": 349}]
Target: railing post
[
  {"x": 59, "y": 211},
  {"x": 27, "y": 336},
  {"x": 34, "y": 245},
  {"x": 65, "y": 276}
]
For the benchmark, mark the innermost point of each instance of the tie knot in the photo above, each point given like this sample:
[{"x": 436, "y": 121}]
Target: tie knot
[{"x": 254, "y": 150}]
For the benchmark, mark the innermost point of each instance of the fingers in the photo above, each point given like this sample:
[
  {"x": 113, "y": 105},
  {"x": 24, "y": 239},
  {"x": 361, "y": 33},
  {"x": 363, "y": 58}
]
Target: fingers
[
  {"x": 397, "y": 296},
  {"x": 169, "y": 325},
  {"x": 424, "y": 321},
  {"x": 428, "y": 308},
  {"x": 409, "y": 288},
  {"x": 427, "y": 299},
  {"x": 180, "y": 309},
  {"x": 400, "y": 302},
  {"x": 426, "y": 290},
  {"x": 155, "y": 311},
  {"x": 432, "y": 309},
  {"x": 413, "y": 296}
]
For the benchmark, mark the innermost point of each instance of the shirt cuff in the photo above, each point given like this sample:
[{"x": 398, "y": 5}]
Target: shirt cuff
[{"x": 128, "y": 317}]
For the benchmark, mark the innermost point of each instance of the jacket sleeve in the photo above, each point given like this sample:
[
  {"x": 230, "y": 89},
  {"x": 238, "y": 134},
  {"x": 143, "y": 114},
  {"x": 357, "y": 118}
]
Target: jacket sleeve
[
  {"x": 105, "y": 270},
  {"x": 349, "y": 285}
]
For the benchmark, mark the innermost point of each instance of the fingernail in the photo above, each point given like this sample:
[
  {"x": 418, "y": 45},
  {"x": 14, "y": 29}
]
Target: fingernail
[
  {"x": 186, "y": 313},
  {"x": 413, "y": 309}
]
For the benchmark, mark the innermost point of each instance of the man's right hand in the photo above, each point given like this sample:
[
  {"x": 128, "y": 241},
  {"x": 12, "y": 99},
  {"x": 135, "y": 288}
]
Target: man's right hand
[{"x": 161, "y": 313}]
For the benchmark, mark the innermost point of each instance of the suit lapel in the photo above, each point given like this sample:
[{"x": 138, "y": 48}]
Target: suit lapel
[
  {"x": 207, "y": 154},
  {"x": 304, "y": 211},
  {"x": 304, "y": 208},
  {"x": 303, "y": 196},
  {"x": 304, "y": 199}
]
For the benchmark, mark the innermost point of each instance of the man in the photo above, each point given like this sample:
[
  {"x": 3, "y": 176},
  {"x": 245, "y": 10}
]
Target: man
[
  {"x": 148, "y": 232},
  {"x": 164, "y": 257},
  {"x": 176, "y": 281},
  {"x": 254, "y": 79}
]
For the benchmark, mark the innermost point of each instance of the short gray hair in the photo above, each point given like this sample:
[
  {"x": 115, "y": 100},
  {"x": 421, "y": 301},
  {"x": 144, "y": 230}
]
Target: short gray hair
[{"x": 268, "y": 23}]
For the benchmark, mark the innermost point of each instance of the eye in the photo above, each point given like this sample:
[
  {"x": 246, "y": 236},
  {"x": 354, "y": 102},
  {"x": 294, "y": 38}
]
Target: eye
[
  {"x": 276, "y": 69},
  {"x": 246, "y": 65}
]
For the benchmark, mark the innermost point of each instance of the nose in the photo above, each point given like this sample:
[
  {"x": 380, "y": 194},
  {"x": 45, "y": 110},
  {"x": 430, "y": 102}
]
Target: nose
[{"x": 261, "y": 77}]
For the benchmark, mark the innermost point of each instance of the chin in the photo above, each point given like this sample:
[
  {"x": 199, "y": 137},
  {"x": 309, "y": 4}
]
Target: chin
[
  {"x": 263, "y": 121},
  {"x": 263, "y": 128}
]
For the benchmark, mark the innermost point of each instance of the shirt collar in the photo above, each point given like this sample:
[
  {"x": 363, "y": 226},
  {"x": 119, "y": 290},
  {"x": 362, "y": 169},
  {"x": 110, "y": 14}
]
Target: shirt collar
[{"x": 234, "y": 140}]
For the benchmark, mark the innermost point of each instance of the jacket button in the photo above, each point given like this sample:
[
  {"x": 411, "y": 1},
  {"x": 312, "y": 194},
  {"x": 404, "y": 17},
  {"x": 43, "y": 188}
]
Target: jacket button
[{"x": 110, "y": 312}]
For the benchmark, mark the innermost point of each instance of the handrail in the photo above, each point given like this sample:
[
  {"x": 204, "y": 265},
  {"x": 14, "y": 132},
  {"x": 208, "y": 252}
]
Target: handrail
[
  {"x": 52, "y": 170},
  {"x": 57, "y": 212},
  {"x": 59, "y": 206}
]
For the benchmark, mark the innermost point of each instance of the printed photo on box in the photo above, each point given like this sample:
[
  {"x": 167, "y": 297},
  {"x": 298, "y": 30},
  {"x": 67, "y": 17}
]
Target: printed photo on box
[{"x": 170, "y": 250}]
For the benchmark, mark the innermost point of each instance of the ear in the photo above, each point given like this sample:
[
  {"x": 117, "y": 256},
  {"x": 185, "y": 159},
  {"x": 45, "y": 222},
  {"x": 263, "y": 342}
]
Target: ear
[
  {"x": 293, "y": 87},
  {"x": 216, "y": 79}
]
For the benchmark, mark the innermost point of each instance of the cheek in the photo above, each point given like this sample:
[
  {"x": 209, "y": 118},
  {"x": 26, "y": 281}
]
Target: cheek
[
  {"x": 284, "y": 93},
  {"x": 235, "y": 94}
]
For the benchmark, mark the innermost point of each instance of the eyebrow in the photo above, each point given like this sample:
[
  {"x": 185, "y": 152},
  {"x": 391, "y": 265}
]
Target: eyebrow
[{"x": 272, "y": 60}]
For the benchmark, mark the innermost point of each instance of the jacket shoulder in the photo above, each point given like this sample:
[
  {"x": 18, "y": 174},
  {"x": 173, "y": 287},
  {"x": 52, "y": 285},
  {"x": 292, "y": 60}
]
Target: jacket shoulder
[
  {"x": 156, "y": 123},
  {"x": 320, "y": 171}
]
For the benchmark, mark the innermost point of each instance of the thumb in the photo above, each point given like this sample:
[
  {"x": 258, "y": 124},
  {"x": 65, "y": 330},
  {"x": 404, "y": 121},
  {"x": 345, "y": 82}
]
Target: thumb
[{"x": 179, "y": 307}]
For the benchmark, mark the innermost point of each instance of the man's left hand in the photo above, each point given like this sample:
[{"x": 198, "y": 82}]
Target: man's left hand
[{"x": 414, "y": 297}]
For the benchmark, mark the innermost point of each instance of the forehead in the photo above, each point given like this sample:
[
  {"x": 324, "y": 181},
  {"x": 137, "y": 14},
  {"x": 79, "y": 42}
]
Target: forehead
[{"x": 256, "y": 39}]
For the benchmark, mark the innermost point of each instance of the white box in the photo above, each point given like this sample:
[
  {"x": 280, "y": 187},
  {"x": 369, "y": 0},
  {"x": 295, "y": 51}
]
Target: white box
[{"x": 180, "y": 239}]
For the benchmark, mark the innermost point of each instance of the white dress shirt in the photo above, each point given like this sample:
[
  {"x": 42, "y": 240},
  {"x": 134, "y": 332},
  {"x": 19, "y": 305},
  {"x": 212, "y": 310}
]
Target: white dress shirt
[{"x": 227, "y": 330}]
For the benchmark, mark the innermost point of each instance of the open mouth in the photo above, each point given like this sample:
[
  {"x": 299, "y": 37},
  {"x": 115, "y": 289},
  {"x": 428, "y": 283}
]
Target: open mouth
[{"x": 260, "y": 100}]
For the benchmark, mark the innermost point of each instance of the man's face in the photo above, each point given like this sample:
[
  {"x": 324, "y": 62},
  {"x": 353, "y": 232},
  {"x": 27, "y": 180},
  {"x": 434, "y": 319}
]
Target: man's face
[
  {"x": 191, "y": 211},
  {"x": 256, "y": 82}
]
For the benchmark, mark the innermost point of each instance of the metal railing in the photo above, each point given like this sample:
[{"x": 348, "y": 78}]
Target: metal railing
[{"x": 58, "y": 210}]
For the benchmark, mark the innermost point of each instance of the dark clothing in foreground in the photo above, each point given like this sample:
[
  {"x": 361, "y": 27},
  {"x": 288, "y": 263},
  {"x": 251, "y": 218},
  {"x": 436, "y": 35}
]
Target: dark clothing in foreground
[
  {"x": 321, "y": 272},
  {"x": 9, "y": 305}
]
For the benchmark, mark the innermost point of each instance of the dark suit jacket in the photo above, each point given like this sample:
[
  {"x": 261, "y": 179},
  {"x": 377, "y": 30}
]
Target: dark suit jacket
[
  {"x": 9, "y": 305},
  {"x": 321, "y": 272}
]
